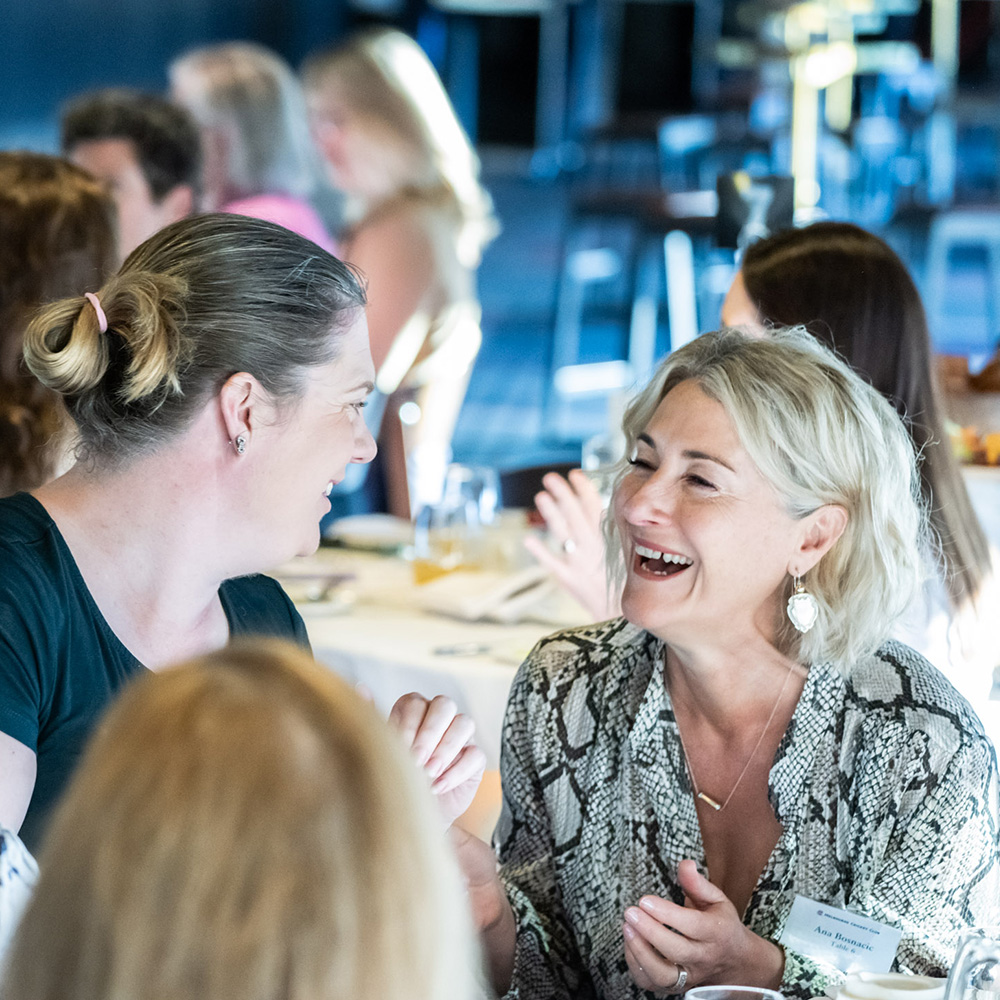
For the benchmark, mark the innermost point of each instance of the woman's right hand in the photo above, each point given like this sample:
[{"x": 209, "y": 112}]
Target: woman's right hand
[
  {"x": 573, "y": 510},
  {"x": 491, "y": 910}
]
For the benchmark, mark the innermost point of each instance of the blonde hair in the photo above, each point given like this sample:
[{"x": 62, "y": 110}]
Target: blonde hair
[
  {"x": 243, "y": 826},
  {"x": 385, "y": 76},
  {"x": 199, "y": 300},
  {"x": 252, "y": 95},
  {"x": 820, "y": 435}
]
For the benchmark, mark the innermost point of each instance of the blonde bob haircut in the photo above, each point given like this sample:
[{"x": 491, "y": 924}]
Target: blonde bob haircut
[
  {"x": 820, "y": 435},
  {"x": 244, "y": 827}
]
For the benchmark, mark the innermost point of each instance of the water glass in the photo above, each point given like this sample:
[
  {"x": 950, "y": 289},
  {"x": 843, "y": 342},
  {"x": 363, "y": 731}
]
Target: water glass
[
  {"x": 599, "y": 458},
  {"x": 975, "y": 973},
  {"x": 732, "y": 993}
]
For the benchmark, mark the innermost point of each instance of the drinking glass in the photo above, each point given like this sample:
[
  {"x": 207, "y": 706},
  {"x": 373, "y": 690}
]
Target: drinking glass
[
  {"x": 732, "y": 993},
  {"x": 448, "y": 534},
  {"x": 599, "y": 458},
  {"x": 975, "y": 973}
]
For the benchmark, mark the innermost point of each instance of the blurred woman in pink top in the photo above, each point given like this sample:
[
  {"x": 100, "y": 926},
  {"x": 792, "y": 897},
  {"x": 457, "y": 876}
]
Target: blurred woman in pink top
[{"x": 259, "y": 159}]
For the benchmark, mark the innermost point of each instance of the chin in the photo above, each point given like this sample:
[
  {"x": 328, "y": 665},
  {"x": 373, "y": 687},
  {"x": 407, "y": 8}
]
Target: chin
[
  {"x": 310, "y": 545},
  {"x": 645, "y": 612}
]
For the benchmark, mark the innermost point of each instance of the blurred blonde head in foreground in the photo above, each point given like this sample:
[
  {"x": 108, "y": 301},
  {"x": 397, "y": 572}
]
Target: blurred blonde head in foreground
[{"x": 243, "y": 826}]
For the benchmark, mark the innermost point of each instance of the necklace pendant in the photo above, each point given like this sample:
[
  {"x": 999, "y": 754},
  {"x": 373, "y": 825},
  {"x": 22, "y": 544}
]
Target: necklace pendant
[{"x": 708, "y": 799}]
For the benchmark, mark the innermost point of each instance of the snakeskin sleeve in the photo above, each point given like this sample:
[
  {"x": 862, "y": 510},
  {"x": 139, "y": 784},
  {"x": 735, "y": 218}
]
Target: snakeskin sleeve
[{"x": 884, "y": 783}]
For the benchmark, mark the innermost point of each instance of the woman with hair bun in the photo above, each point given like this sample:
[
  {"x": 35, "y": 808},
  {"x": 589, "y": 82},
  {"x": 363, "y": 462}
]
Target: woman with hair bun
[
  {"x": 57, "y": 237},
  {"x": 217, "y": 384},
  {"x": 747, "y": 734}
]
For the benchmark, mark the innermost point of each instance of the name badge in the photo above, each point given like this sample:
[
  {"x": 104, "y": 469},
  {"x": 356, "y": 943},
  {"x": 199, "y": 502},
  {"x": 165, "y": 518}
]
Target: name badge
[{"x": 847, "y": 941}]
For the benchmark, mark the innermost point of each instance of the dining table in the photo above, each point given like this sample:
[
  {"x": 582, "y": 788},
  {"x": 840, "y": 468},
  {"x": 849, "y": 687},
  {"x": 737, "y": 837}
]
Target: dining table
[{"x": 370, "y": 621}]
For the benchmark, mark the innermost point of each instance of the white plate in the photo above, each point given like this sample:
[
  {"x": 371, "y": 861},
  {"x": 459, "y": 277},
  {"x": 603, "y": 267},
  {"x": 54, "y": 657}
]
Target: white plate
[{"x": 371, "y": 531}]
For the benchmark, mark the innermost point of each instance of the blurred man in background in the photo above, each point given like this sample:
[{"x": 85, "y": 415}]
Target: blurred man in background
[{"x": 145, "y": 148}]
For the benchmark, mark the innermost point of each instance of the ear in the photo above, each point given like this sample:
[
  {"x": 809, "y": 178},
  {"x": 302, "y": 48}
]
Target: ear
[
  {"x": 240, "y": 398},
  {"x": 820, "y": 530},
  {"x": 177, "y": 203}
]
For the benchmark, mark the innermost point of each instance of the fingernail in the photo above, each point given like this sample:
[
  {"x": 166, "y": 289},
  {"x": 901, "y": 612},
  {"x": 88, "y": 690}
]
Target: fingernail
[
  {"x": 647, "y": 904},
  {"x": 628, "y": 932},
  {"x": 632, "y": 915}
]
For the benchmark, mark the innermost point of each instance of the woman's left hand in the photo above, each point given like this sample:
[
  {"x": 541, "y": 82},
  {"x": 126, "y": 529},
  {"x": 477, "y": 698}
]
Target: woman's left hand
[
  {"x": 705, "y": 937},
  {"x": 441, "y": 741}
]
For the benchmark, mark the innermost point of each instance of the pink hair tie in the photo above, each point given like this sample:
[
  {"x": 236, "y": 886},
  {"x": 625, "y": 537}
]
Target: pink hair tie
[{"x": 102, "y": 320}]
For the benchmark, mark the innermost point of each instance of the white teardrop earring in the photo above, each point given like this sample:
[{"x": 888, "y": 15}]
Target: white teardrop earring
[
  {"x": 802, "y": 608},
  {"x": 241, "y": 444}
]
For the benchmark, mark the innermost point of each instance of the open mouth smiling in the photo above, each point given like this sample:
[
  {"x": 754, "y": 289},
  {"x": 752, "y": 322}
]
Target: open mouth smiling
[{"x": 658, "y": 563}]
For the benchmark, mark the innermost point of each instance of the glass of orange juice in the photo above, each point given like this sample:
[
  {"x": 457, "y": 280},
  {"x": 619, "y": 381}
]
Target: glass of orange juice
[{"x": 448, "y": 534}]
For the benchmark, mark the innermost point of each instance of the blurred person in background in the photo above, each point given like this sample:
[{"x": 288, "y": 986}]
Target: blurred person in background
[
  {"x": 418, "y": 220},
  {"x": 145, "y": 148},
  {"x": 853, "y": 293},
  {"x": 244, "y": 826},
  {"x": 57, "y": 237},
  {"x": 258, "y": 156},
  {"x": 217, "y": 384}
]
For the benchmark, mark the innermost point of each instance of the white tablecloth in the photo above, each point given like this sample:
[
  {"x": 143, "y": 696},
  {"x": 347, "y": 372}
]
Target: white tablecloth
[{"x": 382, "y": 639}]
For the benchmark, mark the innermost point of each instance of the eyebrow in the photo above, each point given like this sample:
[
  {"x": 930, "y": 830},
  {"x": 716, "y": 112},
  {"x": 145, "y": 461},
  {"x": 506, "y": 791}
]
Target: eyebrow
[
  {"x": 689, "y": 453},
  {"x": 367, "y": 386}
]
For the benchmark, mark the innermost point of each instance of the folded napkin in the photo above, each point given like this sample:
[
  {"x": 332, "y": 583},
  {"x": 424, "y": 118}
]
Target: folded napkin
[{"x": 526, "y": 595}]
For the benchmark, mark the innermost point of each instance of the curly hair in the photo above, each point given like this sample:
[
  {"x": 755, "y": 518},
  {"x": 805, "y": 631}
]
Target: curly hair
[{"x": 57, "y": 238}]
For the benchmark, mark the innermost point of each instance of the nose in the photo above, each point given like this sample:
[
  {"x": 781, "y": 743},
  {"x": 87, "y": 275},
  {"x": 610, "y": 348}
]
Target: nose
[
  {"x": 649, "y": 503},
  {"x": 326, "y": 135},
  {"x": 364, "y": 445}
]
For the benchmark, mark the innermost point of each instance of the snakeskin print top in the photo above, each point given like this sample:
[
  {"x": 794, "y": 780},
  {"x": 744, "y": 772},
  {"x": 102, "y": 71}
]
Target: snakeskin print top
[{"x": 884, "y": 784}]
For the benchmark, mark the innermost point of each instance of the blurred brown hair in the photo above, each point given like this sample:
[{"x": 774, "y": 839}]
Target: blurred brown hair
[{"x": 57, "y": 238}]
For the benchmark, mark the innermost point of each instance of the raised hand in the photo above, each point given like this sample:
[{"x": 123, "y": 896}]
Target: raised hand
[
  {"x": 573, "y": 510},
  {"x": 441, "y": 741}
]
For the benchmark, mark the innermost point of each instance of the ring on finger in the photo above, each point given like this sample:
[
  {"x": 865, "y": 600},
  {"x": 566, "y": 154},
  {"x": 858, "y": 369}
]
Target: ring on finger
[
  {"x": 682, "y": 978},
  {"x": 569, "y": 546}
]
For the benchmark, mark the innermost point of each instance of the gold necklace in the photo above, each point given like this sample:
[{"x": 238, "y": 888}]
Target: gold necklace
[{"x": 760, "y": 739}]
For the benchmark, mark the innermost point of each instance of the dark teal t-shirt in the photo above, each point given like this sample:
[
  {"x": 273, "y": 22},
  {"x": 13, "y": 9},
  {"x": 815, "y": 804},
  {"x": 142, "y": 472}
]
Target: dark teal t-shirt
[{"x": 60, "y": 663}]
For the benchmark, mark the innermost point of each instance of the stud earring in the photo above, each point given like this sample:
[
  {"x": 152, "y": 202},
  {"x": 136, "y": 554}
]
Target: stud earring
[
  {"x": 241, "y": 444},
  {"x": 802, "y": 608}
]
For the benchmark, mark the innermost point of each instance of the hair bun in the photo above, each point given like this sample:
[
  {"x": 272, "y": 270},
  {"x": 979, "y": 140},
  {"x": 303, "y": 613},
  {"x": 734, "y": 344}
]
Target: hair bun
[{"x": 66, "y": 350}]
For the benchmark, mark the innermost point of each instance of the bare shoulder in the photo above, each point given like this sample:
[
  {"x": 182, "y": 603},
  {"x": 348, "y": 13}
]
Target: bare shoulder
[{"x": 401, "y": 226}]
